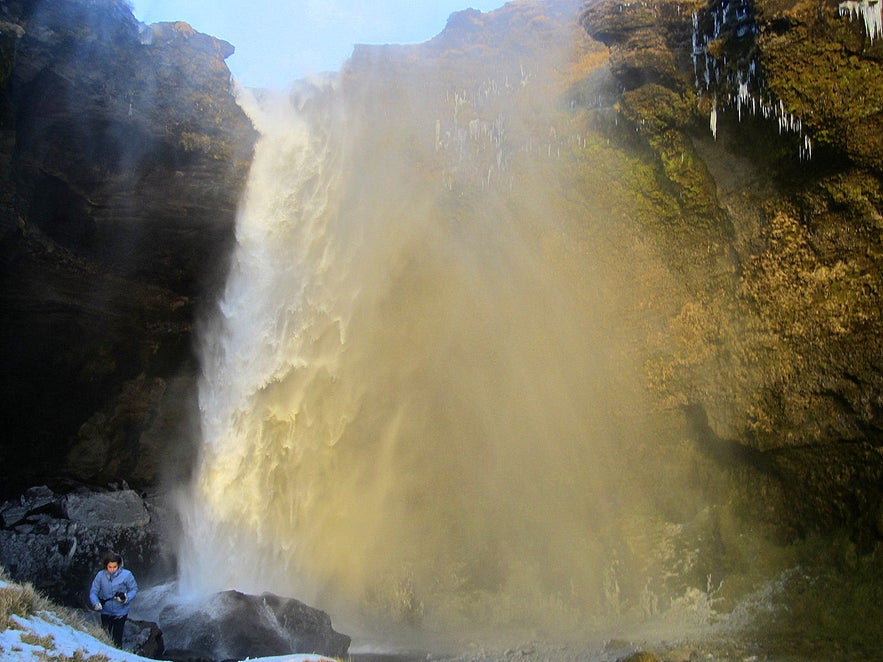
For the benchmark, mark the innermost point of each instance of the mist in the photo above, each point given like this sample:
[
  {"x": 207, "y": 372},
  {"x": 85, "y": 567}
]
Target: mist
[{"x": 419, "y": 406}]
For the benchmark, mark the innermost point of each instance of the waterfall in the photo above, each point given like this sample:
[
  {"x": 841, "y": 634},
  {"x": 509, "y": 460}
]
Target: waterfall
[{"x": 417, "y": 404}]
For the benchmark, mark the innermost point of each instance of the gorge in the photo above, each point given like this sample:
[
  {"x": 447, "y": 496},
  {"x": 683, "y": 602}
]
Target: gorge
[{"x": 561, "y": 326}]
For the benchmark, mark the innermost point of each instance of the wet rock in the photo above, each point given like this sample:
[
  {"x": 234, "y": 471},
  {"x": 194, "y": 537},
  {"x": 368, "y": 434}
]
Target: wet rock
[
  {"x": 233, "y": 625},
  {"x": 144, "y": 638}
]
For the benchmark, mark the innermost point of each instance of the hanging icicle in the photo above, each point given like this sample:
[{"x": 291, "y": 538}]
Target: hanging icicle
[
  {"x": 713, "y": 119},
  {"x": 870, "y": 12}
]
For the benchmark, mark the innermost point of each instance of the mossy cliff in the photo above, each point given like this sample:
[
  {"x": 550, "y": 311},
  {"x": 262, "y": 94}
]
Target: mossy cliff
[
  {"x": 122, "y": 159},
  {"x": 775, "y": 351}
]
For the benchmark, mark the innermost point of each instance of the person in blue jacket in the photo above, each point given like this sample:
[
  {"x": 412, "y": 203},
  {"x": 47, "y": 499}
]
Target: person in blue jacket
[{"x": 112, "y": 591}]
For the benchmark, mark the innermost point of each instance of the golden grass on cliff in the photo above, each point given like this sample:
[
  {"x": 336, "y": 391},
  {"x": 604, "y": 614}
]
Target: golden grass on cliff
[{"x": 17, "y": 600}]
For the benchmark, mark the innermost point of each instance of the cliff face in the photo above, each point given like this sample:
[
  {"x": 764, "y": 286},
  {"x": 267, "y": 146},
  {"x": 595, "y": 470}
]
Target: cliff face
[
  {"x": 123, "y": 157},
  {"x": 735, "y": 145},
  {"x": 765, "y": 116}
]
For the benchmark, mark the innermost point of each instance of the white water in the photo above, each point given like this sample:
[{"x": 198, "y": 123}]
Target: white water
[{"x": 415, "y": 410}]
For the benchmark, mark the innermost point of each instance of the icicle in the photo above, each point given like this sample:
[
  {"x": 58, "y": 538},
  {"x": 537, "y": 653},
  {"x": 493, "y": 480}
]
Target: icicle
[
  {"x": 806, "y": 149},
  {"x": 697, "y": 49},
  {"x": 870, "y": 12},
  {"x": 741, "y": 98},
  {"x": 713, "y": 120}
]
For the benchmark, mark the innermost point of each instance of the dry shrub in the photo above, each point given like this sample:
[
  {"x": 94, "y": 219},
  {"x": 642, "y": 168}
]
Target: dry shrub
[
  {"x": 18, "y": 600},
  {"x": 78, "y": 656},
  {"x": 32, "y": 639}
]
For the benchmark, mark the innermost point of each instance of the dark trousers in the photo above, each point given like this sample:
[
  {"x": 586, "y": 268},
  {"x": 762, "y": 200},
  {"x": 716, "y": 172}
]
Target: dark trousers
[{"x": 114, "y": 626}]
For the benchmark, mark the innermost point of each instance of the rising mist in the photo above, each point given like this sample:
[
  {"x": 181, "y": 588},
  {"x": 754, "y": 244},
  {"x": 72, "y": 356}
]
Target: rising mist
[{"x": 419, "y": 402}]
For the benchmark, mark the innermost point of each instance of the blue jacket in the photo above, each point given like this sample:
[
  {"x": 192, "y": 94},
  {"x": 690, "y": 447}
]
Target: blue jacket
[{"x": 106, "y": 585}]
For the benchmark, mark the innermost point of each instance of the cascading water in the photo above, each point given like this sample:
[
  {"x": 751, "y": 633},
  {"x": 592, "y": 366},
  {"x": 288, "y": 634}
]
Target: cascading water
[
  {"x": 418, "y": 402},
  {"x": 396, "y": 404}
]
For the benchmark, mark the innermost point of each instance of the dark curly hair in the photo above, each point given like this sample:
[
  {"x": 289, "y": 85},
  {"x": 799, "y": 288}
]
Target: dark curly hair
[{"x": 111, "y": 557}]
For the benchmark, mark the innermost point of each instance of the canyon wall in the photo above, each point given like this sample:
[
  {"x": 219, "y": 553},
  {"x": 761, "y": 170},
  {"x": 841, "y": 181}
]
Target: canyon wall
[{"x": 123, "y": 157}]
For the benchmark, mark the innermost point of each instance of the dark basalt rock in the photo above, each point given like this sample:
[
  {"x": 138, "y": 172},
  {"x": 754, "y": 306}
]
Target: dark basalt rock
[
  {"x": 233, "y": 625},
  {"x": 122, "y": 158},
  {"x": 144, "y": 638},
  {"x": 55, "y": 541}
]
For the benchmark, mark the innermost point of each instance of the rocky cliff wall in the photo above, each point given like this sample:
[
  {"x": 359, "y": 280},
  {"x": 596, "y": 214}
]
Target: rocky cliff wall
[
  {"x": 122, "y": 159},
  {"x": 764, "y": 118}
]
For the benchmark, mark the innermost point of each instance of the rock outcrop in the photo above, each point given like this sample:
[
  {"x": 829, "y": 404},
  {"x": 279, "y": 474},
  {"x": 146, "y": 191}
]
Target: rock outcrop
[
  {"x": 55, "y": 541},
  {"x": 764, "y": 118},
  {"x": 122, "y": 158},
  {"x": 231, "y": 625}
]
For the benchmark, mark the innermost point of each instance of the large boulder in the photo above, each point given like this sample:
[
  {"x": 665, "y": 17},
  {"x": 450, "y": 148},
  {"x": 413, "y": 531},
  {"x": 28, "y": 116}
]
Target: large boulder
[
  {"x": 110, "y": 509},
  {"x": 234, "y": 625},
  {"x": 144, "y": 638}
]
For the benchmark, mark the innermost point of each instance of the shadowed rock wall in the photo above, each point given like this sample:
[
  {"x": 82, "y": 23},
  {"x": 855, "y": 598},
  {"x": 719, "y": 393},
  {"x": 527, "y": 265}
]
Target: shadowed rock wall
[{"x": 122, "y": 159}]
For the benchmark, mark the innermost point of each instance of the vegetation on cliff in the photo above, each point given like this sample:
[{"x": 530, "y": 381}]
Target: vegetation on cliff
[
  {"x": 783, "y": 350},
  {"x": 772, "y": 348}
]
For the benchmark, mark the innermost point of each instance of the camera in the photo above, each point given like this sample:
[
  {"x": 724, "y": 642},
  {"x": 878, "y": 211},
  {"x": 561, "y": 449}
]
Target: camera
[{"x": 119, "y": 596}]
